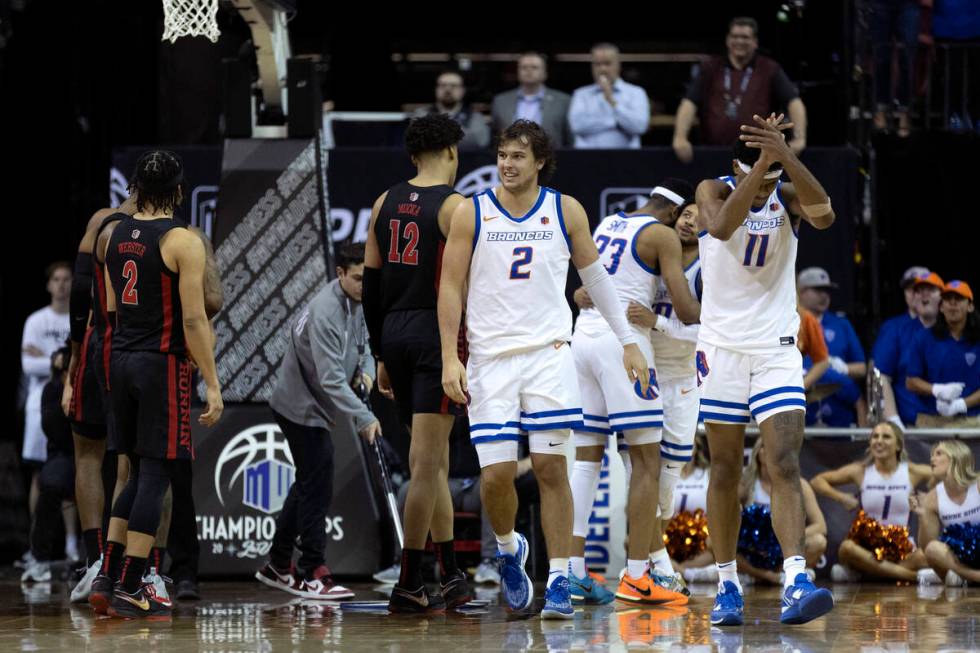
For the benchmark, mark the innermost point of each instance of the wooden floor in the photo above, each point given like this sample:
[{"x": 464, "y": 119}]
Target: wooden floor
[{"x": 238, "y": 617}]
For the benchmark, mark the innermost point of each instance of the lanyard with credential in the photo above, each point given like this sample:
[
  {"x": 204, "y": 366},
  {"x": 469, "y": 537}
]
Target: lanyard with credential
[{"x": 733, "y": 103}]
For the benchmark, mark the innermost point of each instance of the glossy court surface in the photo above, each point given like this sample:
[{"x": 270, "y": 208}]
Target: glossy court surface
[{"x": 245, "y": 616}]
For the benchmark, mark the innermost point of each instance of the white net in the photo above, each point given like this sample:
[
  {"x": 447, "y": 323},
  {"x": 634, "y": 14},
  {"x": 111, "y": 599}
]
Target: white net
[{"x": 190, "y": 18}]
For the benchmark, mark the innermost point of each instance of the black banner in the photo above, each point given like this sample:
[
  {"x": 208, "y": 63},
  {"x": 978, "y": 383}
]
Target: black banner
[
  {"x": 271, "y": 255},
  {"x": 242, "y": 472}
]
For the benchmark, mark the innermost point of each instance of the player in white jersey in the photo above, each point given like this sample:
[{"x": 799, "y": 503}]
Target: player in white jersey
[
  {"x": 748, "y": 364},
  {"x": 511, "y": 247},
  {"x": 954, "y": 501},
  {"x": 674, "y": 358},
  {"x": 640, "y": 251},
  {"x": 887, "y": 483}
]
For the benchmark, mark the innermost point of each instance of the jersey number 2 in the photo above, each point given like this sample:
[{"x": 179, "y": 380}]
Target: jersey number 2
[
  {"x": 129, "y": 294},
  {"x": 410, "y": 255},
  {"x": 760, "y": 260},
  {"x": 525, "y": 254}
]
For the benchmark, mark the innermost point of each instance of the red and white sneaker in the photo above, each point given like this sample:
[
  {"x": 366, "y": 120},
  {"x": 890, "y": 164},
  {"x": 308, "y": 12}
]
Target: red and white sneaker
[
  {"x": 284, "y": 580},
  {"x": 321, "y": 586}
]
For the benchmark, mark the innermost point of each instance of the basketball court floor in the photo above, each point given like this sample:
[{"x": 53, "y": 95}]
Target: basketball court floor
[{"x": 239, "y": 617}]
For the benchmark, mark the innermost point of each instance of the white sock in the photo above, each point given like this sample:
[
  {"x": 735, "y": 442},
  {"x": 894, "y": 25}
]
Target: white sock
[
  {"x": 578, "y": 566},
  {"x": 728, "y": 571},
  {"x": 557, "y": 568},
  {"x": 661, "y": 562},
  {"x": 791, "y": 567},
  {"x": 507, "y": 543},
  {"x": 584, "y": 482},
  {"x": 636, "y": 568}
]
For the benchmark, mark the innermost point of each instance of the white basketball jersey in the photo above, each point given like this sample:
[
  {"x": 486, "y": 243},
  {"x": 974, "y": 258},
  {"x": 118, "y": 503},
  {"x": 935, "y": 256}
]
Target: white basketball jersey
[
  {"x": 886, "y": 499},
  {"x": 951, "y": 512},
  {"x": 691, "y": 493},
  {"x": 674, "y": 358},
  {"x": 749, "y": 302},
  {"x": 516, "y": 299},
  {"x": 615, "y": 238}
]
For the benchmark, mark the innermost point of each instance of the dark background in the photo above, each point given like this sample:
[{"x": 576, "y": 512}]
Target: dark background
[{"x": 77, "y": 79}]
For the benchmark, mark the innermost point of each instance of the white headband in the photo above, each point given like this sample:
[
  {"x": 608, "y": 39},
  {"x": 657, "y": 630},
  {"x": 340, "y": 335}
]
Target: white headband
[
  {"x": 669, "y": 194},
  {"x": 772, "y": 174}
]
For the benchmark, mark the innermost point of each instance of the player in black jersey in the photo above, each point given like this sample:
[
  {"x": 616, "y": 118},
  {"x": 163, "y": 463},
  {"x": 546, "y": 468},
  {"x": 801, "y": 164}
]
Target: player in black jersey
[
  {"x": 409, "y": 223},
  {"x": 84, "y": 398},
  {"x": 155, "y": 291}
]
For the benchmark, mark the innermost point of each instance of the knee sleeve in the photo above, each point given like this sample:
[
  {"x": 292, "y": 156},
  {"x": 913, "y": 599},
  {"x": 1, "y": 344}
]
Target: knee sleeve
[
  {"x": 585, "y": 482},
  {"x": 627, "y": 467},
  {"x": 668, "y": 479},
  {"x": 154, "y": 479}
]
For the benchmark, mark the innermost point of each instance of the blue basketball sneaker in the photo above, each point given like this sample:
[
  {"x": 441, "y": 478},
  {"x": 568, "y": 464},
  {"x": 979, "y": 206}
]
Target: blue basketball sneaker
[
  {"x": 558, "y": 600},
  {"x": 803, "y": 601},
  {"x": 727, "y": 610},
  {"x": 587, "y": 590},
  {"x": 515, "y": 583}
]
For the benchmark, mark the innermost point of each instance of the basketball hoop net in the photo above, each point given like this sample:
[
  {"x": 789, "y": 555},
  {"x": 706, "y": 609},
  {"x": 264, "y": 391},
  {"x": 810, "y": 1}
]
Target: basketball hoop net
[{"x": 190, "y": 18}]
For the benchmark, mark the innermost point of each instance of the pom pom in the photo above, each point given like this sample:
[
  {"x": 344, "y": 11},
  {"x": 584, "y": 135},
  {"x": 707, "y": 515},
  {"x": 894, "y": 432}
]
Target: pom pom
[
  {"x": 964, "y": 541},
  {"x": 686, "y": 535},
  {"x": 885, "y": 542},
  {"x": 756, "y": 540}
]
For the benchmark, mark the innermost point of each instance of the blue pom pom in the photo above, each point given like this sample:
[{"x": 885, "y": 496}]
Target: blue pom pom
[
  {"x": 756, "y": 540},
  {"x": 964, "y": 541}
]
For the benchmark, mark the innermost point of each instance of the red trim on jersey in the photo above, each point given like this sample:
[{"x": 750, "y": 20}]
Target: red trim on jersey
[
  {"x": 173, "y": 417},
  {"x": 78, "y": 381},
  {"x": 168, "y": 316}
]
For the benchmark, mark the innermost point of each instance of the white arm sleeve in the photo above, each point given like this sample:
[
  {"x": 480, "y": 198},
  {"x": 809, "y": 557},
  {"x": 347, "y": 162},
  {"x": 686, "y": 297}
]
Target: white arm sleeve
[
  {"x": 600, "y": 287},
  {"x": 676, "y": 329}
]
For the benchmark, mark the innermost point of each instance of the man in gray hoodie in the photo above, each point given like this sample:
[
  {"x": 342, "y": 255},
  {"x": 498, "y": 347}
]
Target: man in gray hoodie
[{"x": 327, "y": 357}]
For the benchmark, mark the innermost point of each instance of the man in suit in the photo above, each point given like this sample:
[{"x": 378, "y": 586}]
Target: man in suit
[{"x": 532, "y": 100}]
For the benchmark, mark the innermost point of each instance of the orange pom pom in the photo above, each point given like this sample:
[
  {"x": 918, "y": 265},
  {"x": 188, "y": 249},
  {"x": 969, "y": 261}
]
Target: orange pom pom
[
  {"x": 686, "y": 535},
  {"x": 885, "y": 542}
]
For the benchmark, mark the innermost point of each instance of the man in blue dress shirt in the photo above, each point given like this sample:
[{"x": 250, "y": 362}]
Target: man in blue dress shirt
[{"x": 610, "y": 114}]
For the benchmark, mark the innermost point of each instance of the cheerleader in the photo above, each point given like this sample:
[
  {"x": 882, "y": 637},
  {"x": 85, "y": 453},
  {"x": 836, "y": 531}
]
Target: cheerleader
[
  {"x": 690, "y": 496},
  {"x": 887, "y": 483},
  {"x": 949, "y": 519},
  {"x": 757, "y": 543}
]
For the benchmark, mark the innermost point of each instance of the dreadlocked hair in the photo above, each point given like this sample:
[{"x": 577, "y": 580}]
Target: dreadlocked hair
[{"x": 158, "y": 181}]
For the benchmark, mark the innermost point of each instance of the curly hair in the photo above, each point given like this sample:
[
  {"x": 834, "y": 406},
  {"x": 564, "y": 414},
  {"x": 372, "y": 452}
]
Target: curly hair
[
  {"x": 530, "y": 133},
  {"x": 158, "y": 181},
  {"x": 431, "y": 133}
]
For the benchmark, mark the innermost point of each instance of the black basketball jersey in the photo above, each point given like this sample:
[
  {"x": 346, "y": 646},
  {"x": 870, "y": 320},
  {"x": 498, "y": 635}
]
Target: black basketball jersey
[
  {"x": 100, "y": 310},
  {"x": 148, "y": 313},
  {"x": 411, "y": 244}
]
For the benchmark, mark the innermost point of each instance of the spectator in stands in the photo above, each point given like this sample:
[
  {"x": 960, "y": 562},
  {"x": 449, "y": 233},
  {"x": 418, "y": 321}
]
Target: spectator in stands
[
  {"x": 846, "y": 361},
  {"x": 953, "y": 503},
  {"x": 45, "y": 331},
  {"x": 888, "y": 352},
  {"x": 725, "y": 91},
  {"x": 450, "y": 95},
  {"x": 885, "y": 481},
  {"x": 56, "y": 481},
  {"x": 907, "y": 284},
  {"x": 898, "y": 20},
  {"x": 756, "y": 488},
  {"x": 610, "y": 113},
  {"x": 534, "y": 101},
  {"x": 944, "y": 362}
]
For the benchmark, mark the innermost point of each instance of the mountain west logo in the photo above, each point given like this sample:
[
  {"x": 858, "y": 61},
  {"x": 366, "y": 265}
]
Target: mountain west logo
[
  {"x": 264, "y": 464},
  {"x": 481, "y": 179}
]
